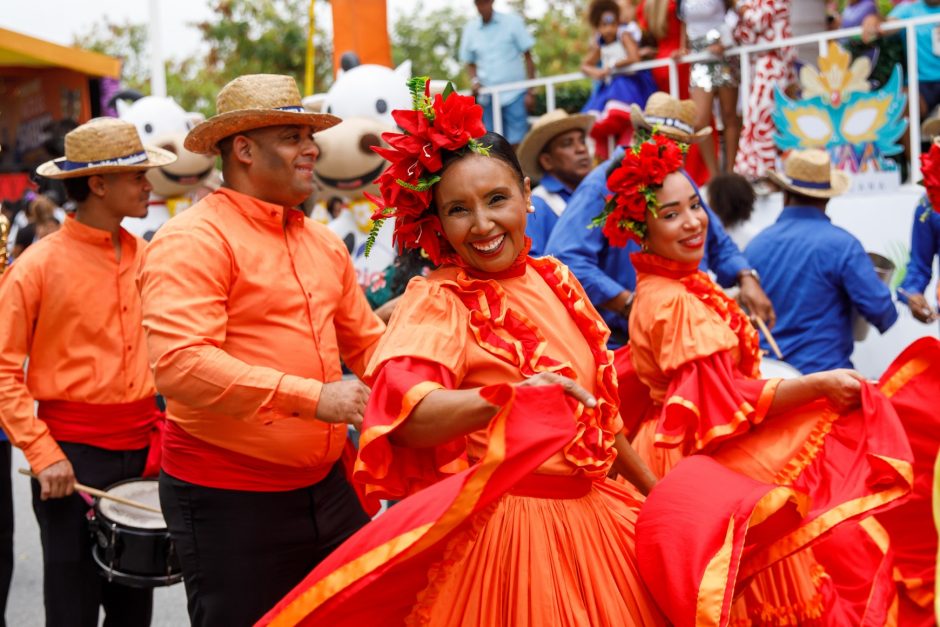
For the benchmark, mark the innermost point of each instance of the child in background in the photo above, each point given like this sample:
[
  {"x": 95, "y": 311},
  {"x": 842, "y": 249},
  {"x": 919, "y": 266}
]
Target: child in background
[
  {"x": 706, "y": 27},
  {"x": 615, "y": 47}
]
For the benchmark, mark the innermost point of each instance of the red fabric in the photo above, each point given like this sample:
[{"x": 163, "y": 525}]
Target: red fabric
[
  {"x": 415, "y": 469},
  {"x": 370, "y": 505},
  {"x": 117, "y": 427},
  {"x": 636, "y": 405},
  {"x": 534, "y": 423},
  {"x": 196, "y": 461},
  {"x": 155, "y": 450},
  {"x": 913, "y": 536},
  {"x": 862, "y": 454},
  {"x": 707, "y": 394}
]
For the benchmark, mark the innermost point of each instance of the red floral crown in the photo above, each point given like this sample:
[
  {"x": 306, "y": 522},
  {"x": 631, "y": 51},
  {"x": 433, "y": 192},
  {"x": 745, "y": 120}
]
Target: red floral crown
[
  {"x": 633, "y": 186},
  {"x": 930, "y": 168},
  {"x": 449, "y": 121}
]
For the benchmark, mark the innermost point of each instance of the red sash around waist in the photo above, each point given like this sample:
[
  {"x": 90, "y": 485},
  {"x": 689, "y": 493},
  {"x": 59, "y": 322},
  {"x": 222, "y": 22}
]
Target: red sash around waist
[
  {"x": 190, "y": 459},
  {"x": 552, "y": 487},
  {"x": 116, "y": 427}
]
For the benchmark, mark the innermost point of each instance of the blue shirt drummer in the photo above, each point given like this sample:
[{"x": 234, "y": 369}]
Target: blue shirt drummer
[
  {"x": 816, "y": 272},
  {"x": 925, "y": 245},
  {"x": 542, "y": 221},
  {"x": 605, "y": 271}
]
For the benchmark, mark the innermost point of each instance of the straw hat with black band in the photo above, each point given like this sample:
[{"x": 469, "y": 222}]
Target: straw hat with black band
[
  {"x": 810, "y": 173},
  {"x": 543, "y": 130},
  {"x": 104, "y": 146},
  {"x": 255, "y": 101},
  {"x": 670, "y": 117}
]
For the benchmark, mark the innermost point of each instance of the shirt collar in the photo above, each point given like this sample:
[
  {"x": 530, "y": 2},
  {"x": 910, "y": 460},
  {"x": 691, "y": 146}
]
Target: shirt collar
[
  {"x": 552, "y": 184},
  {"x": 493, "y": 20},
  {"x": 802, "y": 212},
  {"x": 90, "y": 235},
  {"x": 258, "y": 209}
]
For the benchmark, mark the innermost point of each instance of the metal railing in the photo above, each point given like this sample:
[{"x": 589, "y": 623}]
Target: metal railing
[{"x": 745, "y": 53}]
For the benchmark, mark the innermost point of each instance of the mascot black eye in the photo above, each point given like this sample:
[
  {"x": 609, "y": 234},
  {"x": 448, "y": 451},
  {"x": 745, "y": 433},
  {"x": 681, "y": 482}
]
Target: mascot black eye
[
  {"x": 148, "y": 128},
  {"x": 329, "y": 109},
  {"x": 381, "y": 106}
]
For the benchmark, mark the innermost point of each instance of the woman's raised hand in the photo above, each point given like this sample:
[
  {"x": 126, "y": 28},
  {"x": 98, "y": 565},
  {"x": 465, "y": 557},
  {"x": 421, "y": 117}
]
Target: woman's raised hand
[
  {"x": 570, "y": 386},
  {"x": 842, "y": 387}
]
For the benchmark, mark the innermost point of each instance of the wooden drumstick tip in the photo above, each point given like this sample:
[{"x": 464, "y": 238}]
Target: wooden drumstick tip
[{"x": 770, "y": 338}]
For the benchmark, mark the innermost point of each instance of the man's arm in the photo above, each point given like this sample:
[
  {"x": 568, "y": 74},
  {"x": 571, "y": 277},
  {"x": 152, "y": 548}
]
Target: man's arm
[
  {"x": 21, "y": 295},
  {"x": 920, "y": 265},
  {"x": 580, "y": 247},
  {"x": 184, "y": 281},
  {"x": 870, "y": 296},
  {"x": 358, "y": 329}
]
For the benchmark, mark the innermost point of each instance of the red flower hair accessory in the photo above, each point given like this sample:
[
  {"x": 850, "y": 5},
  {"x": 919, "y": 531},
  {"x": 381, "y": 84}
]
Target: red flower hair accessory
[
  {"x": 930, "y": 168},
  {"x": 448, "y": 121},
  {"x": 633, "y": 186}
]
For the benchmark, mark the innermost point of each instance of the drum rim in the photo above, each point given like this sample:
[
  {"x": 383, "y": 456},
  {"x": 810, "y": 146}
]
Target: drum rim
[{"x": 129, "y": 579}]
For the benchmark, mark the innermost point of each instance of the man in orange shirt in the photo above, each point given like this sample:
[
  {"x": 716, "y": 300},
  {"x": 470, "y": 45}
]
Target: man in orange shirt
[
  {"x": 70, "y": 305},
  {"x": 248, "y": 308}
]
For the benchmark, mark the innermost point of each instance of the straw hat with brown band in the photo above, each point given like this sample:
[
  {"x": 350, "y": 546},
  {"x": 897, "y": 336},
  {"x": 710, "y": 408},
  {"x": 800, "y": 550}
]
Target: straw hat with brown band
[
  {"x": 809, "y": 172},
  {"x": 255, "y": 101},
  {"x": 544, "y": 129},
  {"x": 670, "y": 117},
  {"x": 104, "y": 146}
]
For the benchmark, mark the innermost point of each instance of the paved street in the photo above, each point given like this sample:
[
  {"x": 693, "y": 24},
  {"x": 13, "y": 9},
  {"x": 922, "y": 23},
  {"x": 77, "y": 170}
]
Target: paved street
[{"x": 25, "y": 605}]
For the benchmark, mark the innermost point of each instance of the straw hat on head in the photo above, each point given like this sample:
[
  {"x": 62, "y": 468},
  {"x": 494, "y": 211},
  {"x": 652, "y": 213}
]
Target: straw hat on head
[
  {"x": 670, "y": 117},
  {"x": 104, "y": 146},
  {"x": 810, "y": 173},
  {"x": 254, "y": 101},
  {"x": 543, "y": 130}
]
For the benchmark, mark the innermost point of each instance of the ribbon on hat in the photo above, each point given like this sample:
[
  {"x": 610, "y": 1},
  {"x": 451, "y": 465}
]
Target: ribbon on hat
[
  {"x": 673, "y": 122},
  {"x": 69, "y": 166},
  {"x": 291, "y": 108},
  {"x": 811, "y": 184}
]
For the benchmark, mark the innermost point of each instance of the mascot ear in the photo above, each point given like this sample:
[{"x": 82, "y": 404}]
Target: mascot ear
[
  {"x": 193, "y": 118},
  {"x": 403, "y": 71},
  {"x": 315, "y": 103}
]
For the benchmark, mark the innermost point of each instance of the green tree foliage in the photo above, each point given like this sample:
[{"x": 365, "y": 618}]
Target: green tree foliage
[
  {"x": 431, "y": 40},
  {"x": 125, "y": 41}
]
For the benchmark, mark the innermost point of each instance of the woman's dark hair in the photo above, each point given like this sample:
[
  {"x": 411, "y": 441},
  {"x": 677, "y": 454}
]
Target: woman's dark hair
[
  {"x": 598, "y": 8},
  {"x": 732, "y": 198},
  {"x": 408, "y": 265},
  {"x": 77, "y": 188}
]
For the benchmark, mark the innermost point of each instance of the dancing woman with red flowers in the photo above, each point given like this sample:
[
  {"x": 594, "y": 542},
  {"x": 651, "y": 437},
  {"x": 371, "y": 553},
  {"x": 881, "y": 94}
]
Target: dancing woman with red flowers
[
  {"x": 494, "y": 412},
  {"x": 753, "y": 471}
]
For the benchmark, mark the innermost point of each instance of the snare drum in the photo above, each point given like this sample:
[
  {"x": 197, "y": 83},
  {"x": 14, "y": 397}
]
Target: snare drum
[
  {"x": 776, "y": 369},
  {"x": 131, "y": 545}
]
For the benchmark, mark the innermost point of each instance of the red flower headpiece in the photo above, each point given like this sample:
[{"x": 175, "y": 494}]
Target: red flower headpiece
[
  {"x": 930, "y": 168},
  {"x": 449, "y": 121},
  {"x": 633, "y": 186}
]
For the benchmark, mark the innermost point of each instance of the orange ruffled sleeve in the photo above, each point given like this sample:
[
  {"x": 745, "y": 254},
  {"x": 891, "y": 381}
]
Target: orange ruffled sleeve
[
  {"x": 709, "y": 401},
  {"x": 423, "y": 350}
]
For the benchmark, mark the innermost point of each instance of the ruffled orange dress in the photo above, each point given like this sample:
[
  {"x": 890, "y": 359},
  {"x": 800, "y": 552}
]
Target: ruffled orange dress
[
  {"x": 552, "y": 545},
  {"x": 697, "y": 355}
]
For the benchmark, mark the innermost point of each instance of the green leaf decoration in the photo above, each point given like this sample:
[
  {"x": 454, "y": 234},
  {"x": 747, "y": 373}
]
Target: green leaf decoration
[
  {"x": 479, "y": 148},
  {"x": 374, "y": 231},
  {"x": 422, "y": 186},
  {"x": 448, "y": 90}
]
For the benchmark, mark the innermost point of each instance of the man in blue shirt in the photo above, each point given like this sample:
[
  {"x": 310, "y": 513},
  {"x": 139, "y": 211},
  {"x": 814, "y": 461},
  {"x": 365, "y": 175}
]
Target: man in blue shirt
[
  {"x": 815, "y": 271},
  {"x": 605, "y": 271},
  {"x": 493, "y": 48},
  {"x": 555, "y": 155},
  {"x": 925, "y": 245}
]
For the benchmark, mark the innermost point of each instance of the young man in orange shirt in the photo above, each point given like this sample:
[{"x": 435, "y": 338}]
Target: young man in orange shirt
[
  {"x": 248, "y": 308},
  {"x": 70, "y": 305}
]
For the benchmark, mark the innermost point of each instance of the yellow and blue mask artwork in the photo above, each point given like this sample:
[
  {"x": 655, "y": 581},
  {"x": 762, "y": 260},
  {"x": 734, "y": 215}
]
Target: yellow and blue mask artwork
[{"x": 838, "y": 110}]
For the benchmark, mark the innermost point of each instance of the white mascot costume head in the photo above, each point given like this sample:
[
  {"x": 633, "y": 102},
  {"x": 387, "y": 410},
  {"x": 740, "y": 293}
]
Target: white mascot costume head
[
  {"x": 162, "y": 122},
  {"x": 364, "y": 96}
]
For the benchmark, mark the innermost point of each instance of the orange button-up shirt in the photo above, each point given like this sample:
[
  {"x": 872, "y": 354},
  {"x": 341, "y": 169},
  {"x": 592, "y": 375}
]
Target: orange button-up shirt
[
  {"x": 71, "y": 307},
  {"x": 248, "y": 307}
]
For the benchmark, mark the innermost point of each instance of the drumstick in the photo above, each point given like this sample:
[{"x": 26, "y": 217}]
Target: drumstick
[
  {"x": 770, "y": 338},
  {"x": 101, "y": 494}
]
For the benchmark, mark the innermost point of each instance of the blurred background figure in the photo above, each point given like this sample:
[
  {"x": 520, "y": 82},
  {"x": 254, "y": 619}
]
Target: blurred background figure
[
  {"x": 732, "y": 199},
  {"x": 41, "y": 222}
]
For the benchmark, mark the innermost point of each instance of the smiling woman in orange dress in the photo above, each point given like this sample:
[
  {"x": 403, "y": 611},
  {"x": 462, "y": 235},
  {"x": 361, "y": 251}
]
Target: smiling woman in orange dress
[
  {"x": 495, "y": 405},
  {"x": 696, "y": 354}
]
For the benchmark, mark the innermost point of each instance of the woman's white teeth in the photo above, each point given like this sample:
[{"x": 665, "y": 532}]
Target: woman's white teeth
[{"x": 490, "y": 245}]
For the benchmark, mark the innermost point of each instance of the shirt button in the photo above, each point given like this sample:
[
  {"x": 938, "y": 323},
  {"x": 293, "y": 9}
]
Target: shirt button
[
  {"x": 309, "y": 295},
  {"x": 295, "y": 414},
  {"x": 125, "y": 307},
  {"x": 130, "y": 385},
  {"x": 129, "y": 347}
]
